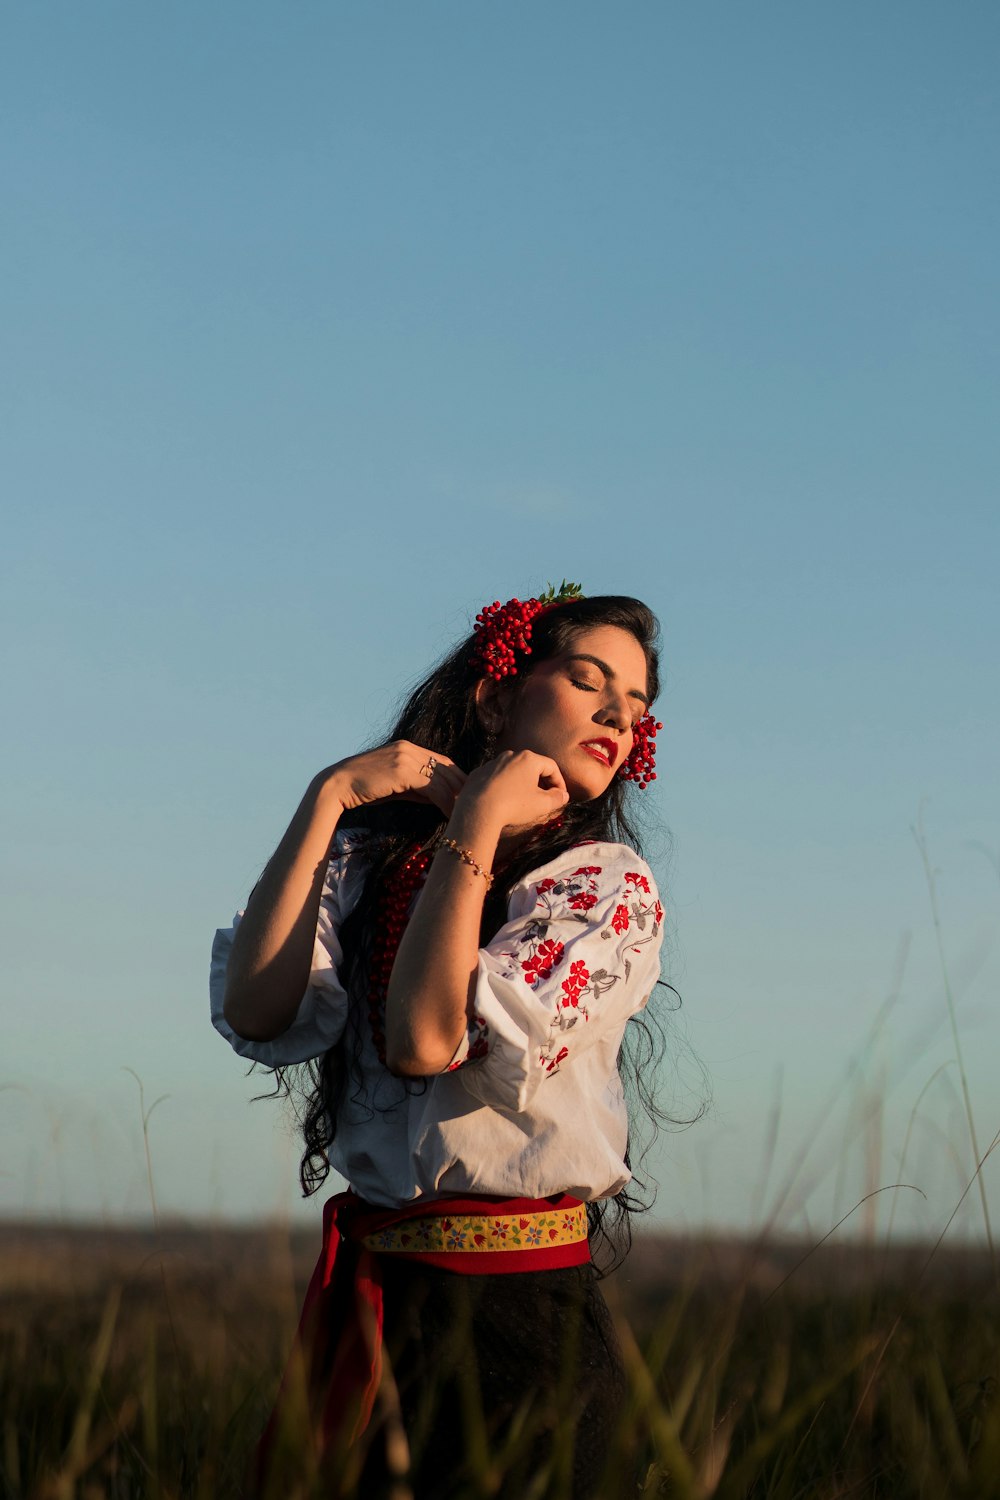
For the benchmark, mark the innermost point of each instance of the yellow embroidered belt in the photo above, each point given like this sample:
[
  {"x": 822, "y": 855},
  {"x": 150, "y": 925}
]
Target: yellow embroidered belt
[{"x": 532, "y": 1226}]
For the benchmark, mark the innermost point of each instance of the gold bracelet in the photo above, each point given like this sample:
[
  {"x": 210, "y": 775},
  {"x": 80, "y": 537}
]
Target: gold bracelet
[{"x": 465, "y": 856}]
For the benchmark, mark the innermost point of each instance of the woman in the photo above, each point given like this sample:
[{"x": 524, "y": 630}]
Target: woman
[{"x": 452, "y": 935}]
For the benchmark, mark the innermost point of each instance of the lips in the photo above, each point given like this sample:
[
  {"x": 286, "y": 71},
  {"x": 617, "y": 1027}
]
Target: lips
[{"x": 605, "y": 751}]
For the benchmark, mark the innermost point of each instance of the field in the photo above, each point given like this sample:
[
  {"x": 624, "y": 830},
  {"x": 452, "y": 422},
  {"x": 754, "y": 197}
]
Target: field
[{"x": 141, "y": 1364}]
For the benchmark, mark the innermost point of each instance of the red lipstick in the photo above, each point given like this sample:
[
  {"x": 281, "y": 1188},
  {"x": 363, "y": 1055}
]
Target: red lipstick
[{"x": 600, "y": 744}]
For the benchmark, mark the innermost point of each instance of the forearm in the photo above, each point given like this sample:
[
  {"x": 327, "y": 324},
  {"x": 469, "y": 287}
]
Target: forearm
[
  {"x": 434, "y": 974},
  {"x": 272, "y": 948}
]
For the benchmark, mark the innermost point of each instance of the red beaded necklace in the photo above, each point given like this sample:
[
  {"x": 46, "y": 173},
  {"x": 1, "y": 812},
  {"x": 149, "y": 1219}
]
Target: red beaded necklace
[{"x": 392, "y": 910}]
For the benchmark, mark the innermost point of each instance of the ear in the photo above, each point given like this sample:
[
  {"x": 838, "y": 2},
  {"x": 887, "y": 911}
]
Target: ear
[{"x": 490, "y": 704}]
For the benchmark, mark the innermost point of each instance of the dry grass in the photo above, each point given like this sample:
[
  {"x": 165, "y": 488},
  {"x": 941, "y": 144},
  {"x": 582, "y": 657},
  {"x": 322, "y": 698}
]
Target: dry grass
[{"x": 142, "y": 1364}]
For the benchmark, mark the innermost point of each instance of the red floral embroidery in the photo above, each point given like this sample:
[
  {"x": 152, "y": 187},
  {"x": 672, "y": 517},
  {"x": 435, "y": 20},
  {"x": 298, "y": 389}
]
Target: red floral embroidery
[
  {"x": 575, "y": 899},
  {"x": 573, "y": 987},
  {"x": 541, "y": 964},
  {"x": 582, "y": 901}
]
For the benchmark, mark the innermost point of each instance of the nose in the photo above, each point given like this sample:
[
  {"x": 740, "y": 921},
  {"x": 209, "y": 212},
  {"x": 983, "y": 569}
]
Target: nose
[{"x": 616, "y": 710}]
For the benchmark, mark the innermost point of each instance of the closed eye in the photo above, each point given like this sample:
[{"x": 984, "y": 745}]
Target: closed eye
[{"x": 588, "y": 687}]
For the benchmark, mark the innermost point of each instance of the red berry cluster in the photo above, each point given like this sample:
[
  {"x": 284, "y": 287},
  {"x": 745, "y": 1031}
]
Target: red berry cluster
[
  {"x": 641, "y": 761},
  {"x": 501, "y": 631},
  {"x": 392, "y": 913}
]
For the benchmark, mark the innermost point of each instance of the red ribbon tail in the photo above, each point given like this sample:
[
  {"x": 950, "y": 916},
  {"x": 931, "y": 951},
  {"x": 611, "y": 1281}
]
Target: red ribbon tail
[
  {"x": 368, "y": 1298},
  {"x": 328, "y": 1390}
]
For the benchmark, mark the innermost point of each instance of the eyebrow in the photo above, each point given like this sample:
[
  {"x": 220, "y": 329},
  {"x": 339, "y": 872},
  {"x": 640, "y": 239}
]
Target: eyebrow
[{"x": 609, "y": 673}]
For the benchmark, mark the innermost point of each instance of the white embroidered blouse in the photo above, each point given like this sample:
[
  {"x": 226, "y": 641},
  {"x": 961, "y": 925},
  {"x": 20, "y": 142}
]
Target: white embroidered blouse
[{"x": 532, "y": 1103}]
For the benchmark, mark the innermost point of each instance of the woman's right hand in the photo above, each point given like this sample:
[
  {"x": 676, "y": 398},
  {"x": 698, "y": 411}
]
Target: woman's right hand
[
  {"x": 401, "y": 771},
  {"x": 269, "y": 963}
]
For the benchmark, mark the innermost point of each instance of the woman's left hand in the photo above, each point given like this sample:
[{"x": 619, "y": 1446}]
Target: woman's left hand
[{"x": 512, "y": 794}]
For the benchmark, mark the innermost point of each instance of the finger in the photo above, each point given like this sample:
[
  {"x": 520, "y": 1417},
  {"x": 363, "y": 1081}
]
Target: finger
[
  {"x": 446, "y": 781},
  {"x": 543, "y": 765},
  {"x": 552, "y": 779},
  {"x": 443, "y": 798},
  {"x": 439, "y": 797},
  {"x": 440, "y": 772},
  {"x": 425, "y": 756},
  {"x": 456, "y": 781},
  {"x": 441, "y": 788}
]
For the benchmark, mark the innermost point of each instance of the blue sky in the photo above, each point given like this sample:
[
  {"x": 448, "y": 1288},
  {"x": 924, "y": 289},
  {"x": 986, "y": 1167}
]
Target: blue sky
[{"x": 325, "y": 324}]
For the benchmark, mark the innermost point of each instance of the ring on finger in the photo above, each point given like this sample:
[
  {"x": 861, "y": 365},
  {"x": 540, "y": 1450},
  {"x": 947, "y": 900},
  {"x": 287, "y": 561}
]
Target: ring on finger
[{"x": 428, "y": 769}]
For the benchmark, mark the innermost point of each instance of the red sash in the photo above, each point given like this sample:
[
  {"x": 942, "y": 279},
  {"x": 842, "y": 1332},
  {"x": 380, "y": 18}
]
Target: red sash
[{"x": 326, "y": 1396}]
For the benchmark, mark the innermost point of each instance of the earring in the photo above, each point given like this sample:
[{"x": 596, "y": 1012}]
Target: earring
[{"x": 489, "y": 745}]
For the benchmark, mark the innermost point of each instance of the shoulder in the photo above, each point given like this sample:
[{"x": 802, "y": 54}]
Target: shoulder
[
  {"x": 595, "y": 857},
  {"x": 588, "y": 875}
]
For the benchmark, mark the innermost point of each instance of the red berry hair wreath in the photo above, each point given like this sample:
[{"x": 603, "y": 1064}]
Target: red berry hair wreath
[{"x": 503, "y": 635}]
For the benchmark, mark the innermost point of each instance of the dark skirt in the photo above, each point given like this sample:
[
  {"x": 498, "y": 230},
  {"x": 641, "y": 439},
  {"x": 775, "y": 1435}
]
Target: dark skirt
[{"x": 495, "y": 1381}]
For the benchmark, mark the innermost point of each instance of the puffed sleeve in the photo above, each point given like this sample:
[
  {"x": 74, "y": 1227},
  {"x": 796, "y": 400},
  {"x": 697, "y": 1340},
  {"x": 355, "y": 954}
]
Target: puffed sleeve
[
  {"x": 578, "y": 955},
  {"x": 322, "y": 1014}
]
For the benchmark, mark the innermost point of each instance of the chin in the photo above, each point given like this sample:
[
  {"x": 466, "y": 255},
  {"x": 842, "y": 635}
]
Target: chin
[
  {"x": 585, "y": 791},
  {"x": 586, "y": 782}
]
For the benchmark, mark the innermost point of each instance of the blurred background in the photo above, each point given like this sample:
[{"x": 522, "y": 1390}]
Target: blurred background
[{"x": 326, "y": 324}]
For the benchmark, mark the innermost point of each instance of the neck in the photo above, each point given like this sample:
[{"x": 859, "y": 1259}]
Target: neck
[{"x": 511, "y": 844}]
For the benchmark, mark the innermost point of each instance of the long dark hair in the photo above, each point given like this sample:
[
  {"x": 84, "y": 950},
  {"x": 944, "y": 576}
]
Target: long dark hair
[{"x": 441, "y": 714}]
